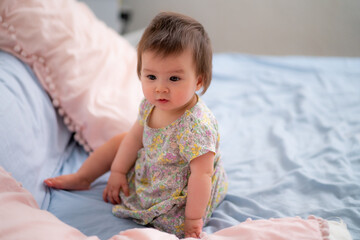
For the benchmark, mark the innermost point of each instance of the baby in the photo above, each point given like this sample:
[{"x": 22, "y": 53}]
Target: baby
[{"x": 166, "y": 171}]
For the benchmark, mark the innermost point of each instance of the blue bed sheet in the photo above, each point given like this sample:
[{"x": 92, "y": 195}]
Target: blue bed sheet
[
  {"x": 33, "y": 139},
  {"x": 290, "y": 142},
  {"x": 290, "y": 137}
]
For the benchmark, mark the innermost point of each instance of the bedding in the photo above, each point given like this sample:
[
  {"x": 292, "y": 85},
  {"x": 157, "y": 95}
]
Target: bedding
[
  {"x": 290, "y": 131},
  {"x": 40, "y": 224},
  {"x": 290, "y": 143},
  {"x": 21, "y": 218},
  {"x": 33, "y": 139},
  {"x": 82, "y": 64}
]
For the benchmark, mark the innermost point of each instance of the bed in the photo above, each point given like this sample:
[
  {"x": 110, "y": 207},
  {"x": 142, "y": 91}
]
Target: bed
[{"x": 290, "y": 140}]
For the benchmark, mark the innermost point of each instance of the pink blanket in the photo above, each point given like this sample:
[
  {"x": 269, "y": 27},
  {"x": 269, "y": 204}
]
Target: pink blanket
[
  {"x": 273, "y": 229},
  {"x": 21, "y": 218}
]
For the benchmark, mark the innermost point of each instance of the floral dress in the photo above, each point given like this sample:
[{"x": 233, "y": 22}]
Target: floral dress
[{"x": 158, "y": 181}]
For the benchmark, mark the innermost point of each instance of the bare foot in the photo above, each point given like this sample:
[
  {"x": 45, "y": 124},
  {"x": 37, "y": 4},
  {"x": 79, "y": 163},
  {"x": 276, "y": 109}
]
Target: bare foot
[{"x": 68, "y": 182}]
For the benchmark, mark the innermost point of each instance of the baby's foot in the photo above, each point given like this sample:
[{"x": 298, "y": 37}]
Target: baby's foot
[{"x": 68, "y": 182}]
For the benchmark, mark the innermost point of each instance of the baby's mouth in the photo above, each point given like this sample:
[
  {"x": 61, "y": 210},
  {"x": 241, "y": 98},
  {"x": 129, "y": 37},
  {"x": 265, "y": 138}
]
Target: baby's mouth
[{"x": 163, "y": 100}]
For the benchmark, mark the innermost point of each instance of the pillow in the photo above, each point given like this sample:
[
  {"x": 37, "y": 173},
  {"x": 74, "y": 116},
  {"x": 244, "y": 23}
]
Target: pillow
[{"x": 88, "y": 70}]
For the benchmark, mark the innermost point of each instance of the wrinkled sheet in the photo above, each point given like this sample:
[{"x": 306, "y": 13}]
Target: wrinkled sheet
[
  {"x": 290, "y": 137},
  {"x": 290, "y": 142}
]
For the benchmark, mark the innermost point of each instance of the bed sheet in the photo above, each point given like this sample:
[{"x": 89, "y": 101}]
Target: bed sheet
[
  {"x": 33, "y": 139},
  {"x": 290, "y": 142}
]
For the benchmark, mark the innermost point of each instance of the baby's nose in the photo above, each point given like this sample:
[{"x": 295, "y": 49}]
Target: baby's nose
[{"x": 162, "y": 89}]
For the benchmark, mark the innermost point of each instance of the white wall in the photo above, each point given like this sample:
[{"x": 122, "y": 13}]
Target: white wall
[
  {"x": 106, "y": 10},
  {"x": 270, "y": 27}
]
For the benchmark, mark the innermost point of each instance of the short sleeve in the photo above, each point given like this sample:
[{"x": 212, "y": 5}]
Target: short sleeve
[
  {"x": 198, "y": 139},
  {"x": 144, "y": 110}
]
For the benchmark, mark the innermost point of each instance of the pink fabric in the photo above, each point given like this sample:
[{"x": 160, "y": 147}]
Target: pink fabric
[
  {"x": 273, "y": 229},
  {"x": 21, "y": 218},
  {"x": 88, "y": 69}
]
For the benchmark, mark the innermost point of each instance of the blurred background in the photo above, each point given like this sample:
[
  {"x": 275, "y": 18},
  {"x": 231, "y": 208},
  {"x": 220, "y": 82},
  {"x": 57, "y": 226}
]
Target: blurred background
[{"x": 263, "y": 27}]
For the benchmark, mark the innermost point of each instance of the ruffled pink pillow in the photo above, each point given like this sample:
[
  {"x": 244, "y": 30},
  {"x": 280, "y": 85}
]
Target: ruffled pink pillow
[{"x": 88, "y": 70}]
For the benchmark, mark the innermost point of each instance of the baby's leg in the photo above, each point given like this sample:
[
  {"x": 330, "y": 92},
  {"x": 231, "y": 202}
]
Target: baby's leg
[
  {"x": 69, "y": 182},
  {"x": 98, "y": 163}
]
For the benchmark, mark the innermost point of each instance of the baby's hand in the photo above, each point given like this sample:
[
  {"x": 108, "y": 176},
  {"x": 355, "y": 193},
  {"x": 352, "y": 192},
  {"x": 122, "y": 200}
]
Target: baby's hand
[
  {"x": 116, "y": 182},
  {"x": 193, "y": 227}
]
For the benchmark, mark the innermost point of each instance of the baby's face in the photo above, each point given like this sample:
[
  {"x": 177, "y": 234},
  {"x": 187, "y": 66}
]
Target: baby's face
[{"x": 169, "y": 82}]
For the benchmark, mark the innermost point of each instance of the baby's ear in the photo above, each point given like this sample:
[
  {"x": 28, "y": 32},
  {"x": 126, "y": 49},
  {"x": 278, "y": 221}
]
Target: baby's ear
[{"x": 199, "y": 83}]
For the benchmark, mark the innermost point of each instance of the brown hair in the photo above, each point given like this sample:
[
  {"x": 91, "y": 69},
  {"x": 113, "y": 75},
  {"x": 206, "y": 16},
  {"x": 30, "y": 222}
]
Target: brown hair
[{"x": 171, "y": 33}]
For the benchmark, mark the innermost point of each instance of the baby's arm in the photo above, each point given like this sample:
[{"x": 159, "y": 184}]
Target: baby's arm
[
  {"x": 199, "y": 190},
  {"x": 124, "y": 160}
]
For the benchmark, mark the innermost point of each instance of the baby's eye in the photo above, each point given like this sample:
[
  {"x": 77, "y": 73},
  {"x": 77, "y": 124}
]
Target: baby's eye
[
  {"x": 174, "y": 78},
  {"x": 151, "y": 77}
]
